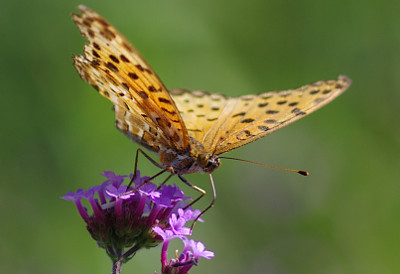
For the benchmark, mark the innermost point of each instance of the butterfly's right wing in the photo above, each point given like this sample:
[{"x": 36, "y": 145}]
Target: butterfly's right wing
[
  {"x": 222, "y": 123},
  {"x": 201, "y": 111},
  {"x": 115, "y": 68}
]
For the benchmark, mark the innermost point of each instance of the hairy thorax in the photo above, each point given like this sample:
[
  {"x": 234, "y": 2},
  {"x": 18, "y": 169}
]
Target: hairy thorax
[{"x": 193, "y": 160}]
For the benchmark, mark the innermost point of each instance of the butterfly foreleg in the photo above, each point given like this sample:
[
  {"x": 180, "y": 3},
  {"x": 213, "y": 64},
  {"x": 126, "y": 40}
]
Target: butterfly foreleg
[
  {"x": 136, "y": 164},
  {"x": 150, "y": 178}
]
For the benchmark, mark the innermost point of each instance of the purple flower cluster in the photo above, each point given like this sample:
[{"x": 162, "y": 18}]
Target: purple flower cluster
[
  {"x": 192, "y": 250},
  {"x": 123, "y": 220}
]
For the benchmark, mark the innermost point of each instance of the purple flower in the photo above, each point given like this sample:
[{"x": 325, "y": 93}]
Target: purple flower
[
  {"x": 197, "y": 249},
  {"x": 76, "y": 198},
  {"x": 150, "y": 190},
  {"x": 115, "y": 180},
  {"x": 123, "y": 220},
  {"x": 192, "y": 250},
  {"x": 177, "y": 224},
  {"x": 189, "y": 215}
]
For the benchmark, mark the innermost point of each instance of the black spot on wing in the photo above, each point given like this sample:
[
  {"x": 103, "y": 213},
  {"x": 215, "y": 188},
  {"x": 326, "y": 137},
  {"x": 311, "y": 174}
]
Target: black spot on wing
[
  {"x": 112, "y": 67},
  {"x": 296, "y": 110},
  {"x": 91, "y": 33},
  {"x": 239, "y": 114},
  {"x": 125, "y": 85},
  {"x": 139, "y": 67},
  {"x": 248, "y": 120},
  {"x": 143, "y": 95},
  {"x": 114, "y": 59},
  {"x": 95, "y": 54},
  {"x": 164, "y": 100},
  {"x": 168, "y": 111},
  {"x": 96, "y": 46},
  {"x": 263, "y": 128},
  {"x": 95, "y": 63},
  {"x": 123, "y": 58},
  {"x": 133, "y": 75}
]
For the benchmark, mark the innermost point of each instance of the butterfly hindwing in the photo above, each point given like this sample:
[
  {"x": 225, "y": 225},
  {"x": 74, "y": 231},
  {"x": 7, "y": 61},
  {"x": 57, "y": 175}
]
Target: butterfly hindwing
[
  {"x": 200, "y": 110},
  {"x": 139, "y": 129}
]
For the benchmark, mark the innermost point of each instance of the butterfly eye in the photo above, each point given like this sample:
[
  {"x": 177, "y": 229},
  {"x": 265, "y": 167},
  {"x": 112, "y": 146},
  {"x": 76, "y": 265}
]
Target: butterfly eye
[{"x": 212, "y": 164}]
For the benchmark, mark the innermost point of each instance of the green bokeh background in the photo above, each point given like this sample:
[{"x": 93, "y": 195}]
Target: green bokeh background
[{"x": 57, "y": 134}]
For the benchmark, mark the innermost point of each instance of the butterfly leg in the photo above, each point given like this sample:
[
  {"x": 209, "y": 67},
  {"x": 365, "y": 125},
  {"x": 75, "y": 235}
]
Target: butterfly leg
[
  {"x": 202, "y": 193},
  {"x": 148, "y": 179},
  {"x": 148, "y": 158},
  {"x": 189, "y": 184},
  {"x": 165, "y": 181}
]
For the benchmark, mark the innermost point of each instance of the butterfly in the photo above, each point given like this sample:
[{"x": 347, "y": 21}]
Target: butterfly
[{"x": 188, "y": 129}]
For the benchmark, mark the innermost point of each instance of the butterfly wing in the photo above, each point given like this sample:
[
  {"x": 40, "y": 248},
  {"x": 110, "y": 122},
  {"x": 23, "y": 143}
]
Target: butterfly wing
[
  {"x": 200, "y": 110},
  {"x": 223, "y": 123},
  {"x": 139, "y": 129},
  {"x": 116, "y": 69}
]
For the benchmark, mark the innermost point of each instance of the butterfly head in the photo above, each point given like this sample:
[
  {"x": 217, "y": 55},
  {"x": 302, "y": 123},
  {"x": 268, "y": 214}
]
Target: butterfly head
[{"x": 208, "y": 162}]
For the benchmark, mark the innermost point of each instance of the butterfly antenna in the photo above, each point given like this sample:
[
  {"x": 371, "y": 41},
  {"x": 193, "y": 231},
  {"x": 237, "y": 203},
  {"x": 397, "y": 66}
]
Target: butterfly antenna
[{"x": 301, "y": 172}]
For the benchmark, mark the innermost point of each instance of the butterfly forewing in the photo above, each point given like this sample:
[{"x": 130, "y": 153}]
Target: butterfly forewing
[
  {"x": 238, "y": 121},
  {"x": 114, "y": 67}
]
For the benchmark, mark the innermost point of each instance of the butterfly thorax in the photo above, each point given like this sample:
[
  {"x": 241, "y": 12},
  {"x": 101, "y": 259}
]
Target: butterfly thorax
[{"x": 193, "y": 160}]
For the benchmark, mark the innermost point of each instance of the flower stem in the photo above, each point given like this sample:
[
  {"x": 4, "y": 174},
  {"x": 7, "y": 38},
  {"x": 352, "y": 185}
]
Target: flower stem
[
  {"x": 131, "y": 251},
  {"x": 116, "y": 268}
]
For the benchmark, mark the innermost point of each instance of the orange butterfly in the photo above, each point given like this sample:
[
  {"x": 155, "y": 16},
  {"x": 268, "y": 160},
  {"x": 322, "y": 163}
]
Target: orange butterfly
[{"x": 188, "y": 129}]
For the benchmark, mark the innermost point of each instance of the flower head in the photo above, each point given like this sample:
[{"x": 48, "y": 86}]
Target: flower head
[
  {"x": 122, "y": 218},
  {"x": 192, "y": 250}
]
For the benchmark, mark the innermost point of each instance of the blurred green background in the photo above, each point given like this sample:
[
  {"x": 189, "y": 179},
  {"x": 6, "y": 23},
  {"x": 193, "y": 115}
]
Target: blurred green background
[{"x": 58, "y": 134}]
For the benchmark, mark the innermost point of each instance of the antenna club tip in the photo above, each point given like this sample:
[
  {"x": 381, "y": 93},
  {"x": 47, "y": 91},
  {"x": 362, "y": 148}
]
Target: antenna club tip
[{"x": 304, "y": 173}]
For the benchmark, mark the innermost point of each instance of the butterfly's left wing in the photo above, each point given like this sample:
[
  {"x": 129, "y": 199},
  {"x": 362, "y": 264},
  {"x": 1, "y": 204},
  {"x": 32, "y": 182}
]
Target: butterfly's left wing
[
  {"x": 223, "y": 123},
  {"x": 116, "y": 69}
]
